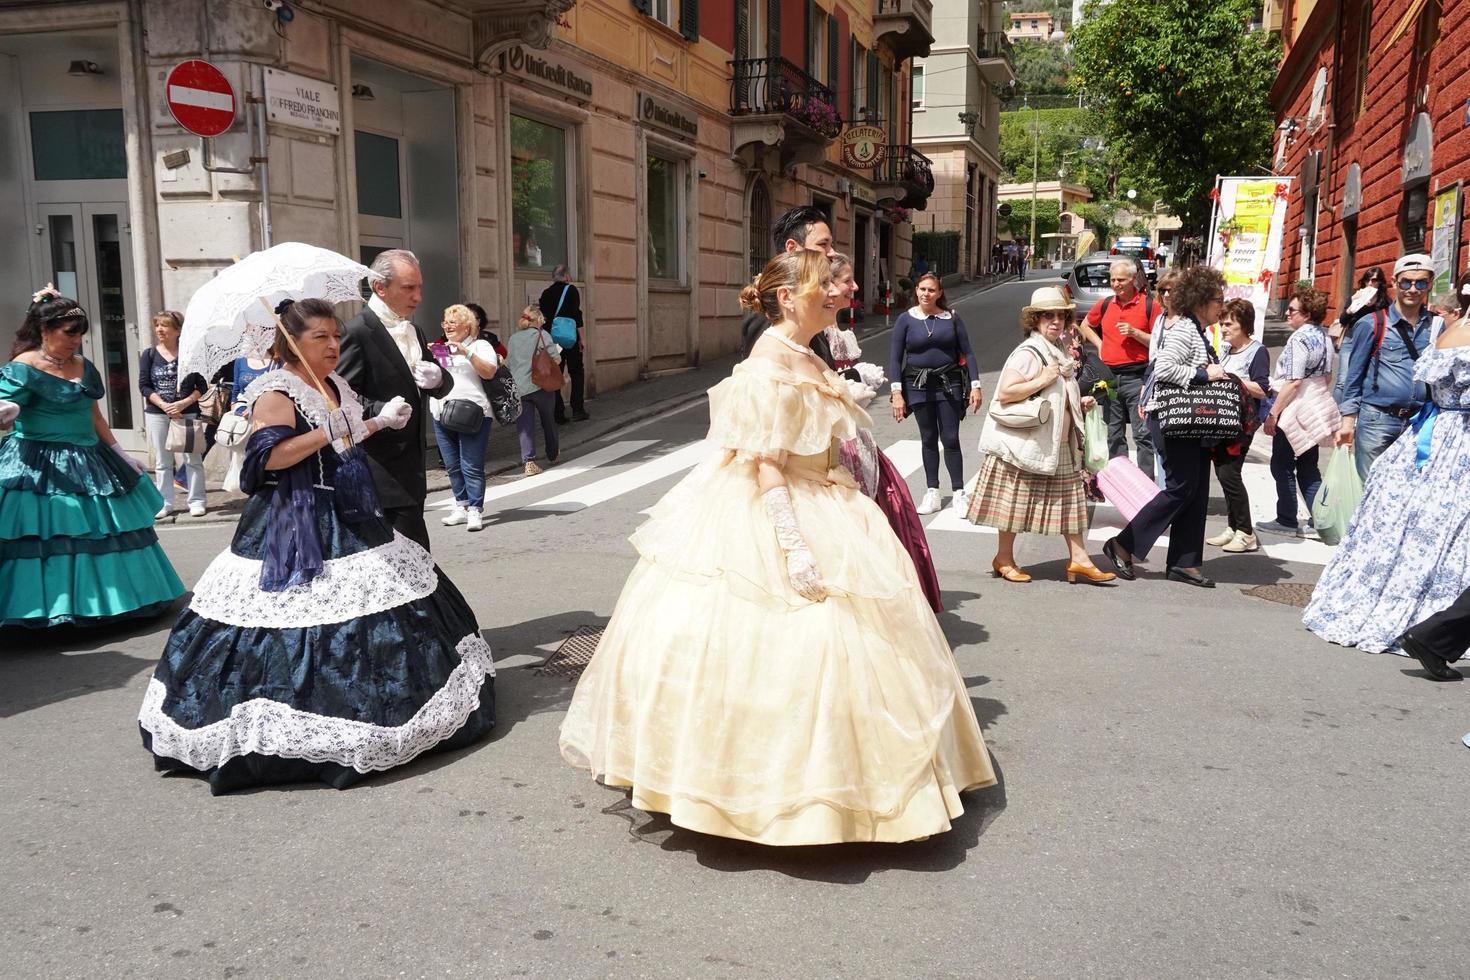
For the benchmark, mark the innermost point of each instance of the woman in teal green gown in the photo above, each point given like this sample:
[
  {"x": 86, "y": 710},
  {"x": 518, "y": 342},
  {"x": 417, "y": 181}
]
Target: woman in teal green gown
[{"x": 77, "y": 543}]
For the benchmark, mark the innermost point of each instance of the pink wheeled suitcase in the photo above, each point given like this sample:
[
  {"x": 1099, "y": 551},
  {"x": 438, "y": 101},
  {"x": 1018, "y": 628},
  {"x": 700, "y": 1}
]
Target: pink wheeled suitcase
[{"x": 1125, "y": 486}]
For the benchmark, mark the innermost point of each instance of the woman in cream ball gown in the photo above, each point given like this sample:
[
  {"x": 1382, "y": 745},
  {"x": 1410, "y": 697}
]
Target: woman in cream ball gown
[{"x": 772, "y": 671}]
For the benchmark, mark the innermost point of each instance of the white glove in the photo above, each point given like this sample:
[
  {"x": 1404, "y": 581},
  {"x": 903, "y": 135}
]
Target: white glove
[
  {"x": 396, "y": 413},
  {"x": 137, "y": 467},
  {"x": 426, "y": 374},
  {"x": 860, "y": 392},
  {"x": 801, "y": 567},
  {"x": 8, "y": 412},
  {"x": 343, "y": 430}
]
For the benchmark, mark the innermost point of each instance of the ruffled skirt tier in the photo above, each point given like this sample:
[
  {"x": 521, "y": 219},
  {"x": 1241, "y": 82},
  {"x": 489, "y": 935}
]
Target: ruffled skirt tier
[
  {"x": 77, "y": 543},
  {"x": 371, "y": 664}
]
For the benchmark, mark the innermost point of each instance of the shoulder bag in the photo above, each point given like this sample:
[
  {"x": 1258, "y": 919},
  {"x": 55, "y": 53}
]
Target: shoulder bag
[
  {"x": 186, "y": 435},
  {"x": 1030, "y": 412},
  {"x": 213, "y": 403},
  {"x": 233, "y": 430},
  {"x": 1213, "y": 411},
  {"x": 505, "y": 397},
  {"x": 545, "y": 373},
  {"x": 563, "y": 328},
  {"x": 461, "y": 415}
]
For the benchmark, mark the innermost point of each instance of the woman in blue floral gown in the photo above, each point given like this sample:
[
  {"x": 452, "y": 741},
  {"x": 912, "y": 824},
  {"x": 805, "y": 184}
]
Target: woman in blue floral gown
[
  {"x": 76, "y": 515},
  {"x": 1407, "y": 551}
]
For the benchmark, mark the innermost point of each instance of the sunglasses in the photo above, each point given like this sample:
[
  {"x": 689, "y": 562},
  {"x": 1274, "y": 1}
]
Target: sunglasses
[
  {"x": 1293, "y": 309},
  {"x": 1422, "y": 285},
  {"x": 1164, "y": 291}
]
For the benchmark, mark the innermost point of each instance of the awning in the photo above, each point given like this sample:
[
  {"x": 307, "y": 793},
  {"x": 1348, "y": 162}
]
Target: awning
[{"x": 1405, "y": 22}]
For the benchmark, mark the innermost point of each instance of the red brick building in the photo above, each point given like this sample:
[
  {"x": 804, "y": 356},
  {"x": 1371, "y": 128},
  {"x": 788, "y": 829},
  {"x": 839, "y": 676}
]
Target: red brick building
[{"x": 1372, "y": 102}]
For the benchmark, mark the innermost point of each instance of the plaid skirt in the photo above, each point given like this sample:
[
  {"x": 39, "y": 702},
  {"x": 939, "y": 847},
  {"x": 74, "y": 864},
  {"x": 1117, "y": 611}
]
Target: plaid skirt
[{"x": 1008, "y": 498}]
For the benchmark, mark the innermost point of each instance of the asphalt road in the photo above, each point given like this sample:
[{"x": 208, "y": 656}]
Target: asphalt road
[{"x": 1193, "y": 786}]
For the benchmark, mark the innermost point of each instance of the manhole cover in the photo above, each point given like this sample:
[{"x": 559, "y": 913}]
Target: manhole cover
[
  {"x": 574, "y": 654},
  {"x": 1287, "y": 593}
]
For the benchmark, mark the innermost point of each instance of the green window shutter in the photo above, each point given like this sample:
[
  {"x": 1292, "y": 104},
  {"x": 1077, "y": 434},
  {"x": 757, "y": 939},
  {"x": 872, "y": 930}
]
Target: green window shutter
[
  {"x": 689, "y": 19},
  {"x": 773, "y": 28},
  {"x": 742, "y": 29},
  {"x": 832, "y": 50},
  {"x": 874, "y": 109},
  {"x": 809, "y": 15},
  {"x": 642, "y": 6},
  {"x": 852, "y": 89}
]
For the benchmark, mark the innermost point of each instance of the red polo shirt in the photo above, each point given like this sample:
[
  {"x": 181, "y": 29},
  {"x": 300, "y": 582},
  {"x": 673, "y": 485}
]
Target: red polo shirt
[{"x": 1117, "y": 350}]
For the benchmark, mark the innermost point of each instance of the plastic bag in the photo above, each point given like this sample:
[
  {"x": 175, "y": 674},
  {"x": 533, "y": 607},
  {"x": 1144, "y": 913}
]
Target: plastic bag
[
  {"x": 1095, "y": 440},
  {"x": 1341, "y": 490}
]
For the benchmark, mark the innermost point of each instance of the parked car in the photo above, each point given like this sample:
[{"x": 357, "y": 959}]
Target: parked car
[
  {"x": 1088, "y": 281},
  {"x": 1139, "y": 249}
]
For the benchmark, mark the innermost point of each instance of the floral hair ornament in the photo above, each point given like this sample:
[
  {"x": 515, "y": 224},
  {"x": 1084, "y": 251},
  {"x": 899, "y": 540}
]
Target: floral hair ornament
[{"x": 46, "y": 292}]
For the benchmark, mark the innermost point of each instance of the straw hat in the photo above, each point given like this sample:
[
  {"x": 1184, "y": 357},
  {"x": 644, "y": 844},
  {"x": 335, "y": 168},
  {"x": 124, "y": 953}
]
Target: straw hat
[{"x": 1049, "y": 298}]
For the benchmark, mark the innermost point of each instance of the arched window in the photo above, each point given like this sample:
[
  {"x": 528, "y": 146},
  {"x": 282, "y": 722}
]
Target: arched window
[{"x": 759, "y": 225}]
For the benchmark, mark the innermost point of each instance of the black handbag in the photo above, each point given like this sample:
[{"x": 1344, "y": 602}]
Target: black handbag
[
  {"x": 505, "y": 397},
  {"x": 461, "y": 415},
  {"x": 1213, "y": 411}
]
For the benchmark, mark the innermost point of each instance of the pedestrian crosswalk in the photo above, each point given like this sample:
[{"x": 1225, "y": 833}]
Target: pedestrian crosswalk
[{"x": 628, "y": 466}]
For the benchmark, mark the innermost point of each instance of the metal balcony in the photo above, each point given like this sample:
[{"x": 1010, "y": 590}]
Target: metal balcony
[
  {"x": 783, "y": 116},
  {"x": 905, "y": 176},
  {"x": 997, "y": 56},
  {"x": 905, "y": 27}
]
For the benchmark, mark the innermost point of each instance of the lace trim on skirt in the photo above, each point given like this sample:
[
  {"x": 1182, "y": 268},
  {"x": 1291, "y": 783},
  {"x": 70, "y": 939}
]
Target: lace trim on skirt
[
  {"x": 356, "y": 585},
  {"x": 271, "y": 728}
]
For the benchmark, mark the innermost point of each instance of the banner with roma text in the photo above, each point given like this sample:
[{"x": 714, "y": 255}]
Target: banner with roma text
[{"x": 1246, "y": 233}]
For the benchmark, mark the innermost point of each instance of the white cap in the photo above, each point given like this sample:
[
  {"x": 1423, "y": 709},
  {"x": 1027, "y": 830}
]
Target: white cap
[{"x": 1415, "y": 262}]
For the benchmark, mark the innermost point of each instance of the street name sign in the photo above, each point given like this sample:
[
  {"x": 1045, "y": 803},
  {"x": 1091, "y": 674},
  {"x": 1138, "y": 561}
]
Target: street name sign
[{"x": 306, "y": 103}]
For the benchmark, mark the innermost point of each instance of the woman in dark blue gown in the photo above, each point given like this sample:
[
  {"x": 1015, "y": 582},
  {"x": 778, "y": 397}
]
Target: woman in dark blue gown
[{"x": 321, "y": 645}]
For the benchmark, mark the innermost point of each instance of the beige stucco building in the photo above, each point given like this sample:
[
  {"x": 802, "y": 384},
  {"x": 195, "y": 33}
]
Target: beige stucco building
[
  {"x": 648, "y": 145},
  {"x": 956, "y": 122},
  {"x": 1031, "y": 26}
]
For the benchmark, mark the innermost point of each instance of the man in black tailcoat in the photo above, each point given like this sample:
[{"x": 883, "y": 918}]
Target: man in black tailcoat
[{"x": 384, "y": 355}]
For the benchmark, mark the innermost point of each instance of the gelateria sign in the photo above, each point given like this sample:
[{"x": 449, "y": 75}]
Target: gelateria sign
[
  {"x": 670, "y": 118},
  {"x": 548, "y": 71}
]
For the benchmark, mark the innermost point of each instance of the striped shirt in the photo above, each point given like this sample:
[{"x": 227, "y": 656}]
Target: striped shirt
[{"x": 1180, "y": 355}]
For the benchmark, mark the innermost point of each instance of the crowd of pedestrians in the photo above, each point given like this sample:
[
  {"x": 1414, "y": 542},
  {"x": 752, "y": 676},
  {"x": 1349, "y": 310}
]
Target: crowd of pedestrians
[{"x": 325, "y": 644}]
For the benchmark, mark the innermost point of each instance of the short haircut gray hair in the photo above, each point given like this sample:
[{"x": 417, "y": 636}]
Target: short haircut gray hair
[
  {"x": 385, "y": 262},
  {"x": 561, "y": 274},
  {"x": 1123, "y": 265}
]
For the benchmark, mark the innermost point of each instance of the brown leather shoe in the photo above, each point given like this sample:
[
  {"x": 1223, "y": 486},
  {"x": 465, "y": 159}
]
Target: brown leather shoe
[
  {"x": 1008, "y": 572},
  {"x": 1091, "y": 573}
]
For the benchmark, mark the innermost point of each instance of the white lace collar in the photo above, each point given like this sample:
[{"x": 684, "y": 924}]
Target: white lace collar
[
  {"x": 308, "y": 400},
  {"x": 918, "y": 314}
]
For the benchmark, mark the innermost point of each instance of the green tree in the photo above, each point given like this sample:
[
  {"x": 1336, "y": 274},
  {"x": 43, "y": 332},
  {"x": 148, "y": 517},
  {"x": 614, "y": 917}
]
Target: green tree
[
  {"x": 1182, "y": 88},
  {"x": 1042, "y": 67},
  {"x": 1048, "y": 218}
]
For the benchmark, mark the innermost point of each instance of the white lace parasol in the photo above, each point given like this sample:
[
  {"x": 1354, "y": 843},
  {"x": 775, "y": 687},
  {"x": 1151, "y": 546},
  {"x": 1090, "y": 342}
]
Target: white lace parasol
[{"x": 227, "y": 318}]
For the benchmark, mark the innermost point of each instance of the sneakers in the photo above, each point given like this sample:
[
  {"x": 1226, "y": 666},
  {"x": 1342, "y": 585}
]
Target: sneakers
[
  {"x": 472, "y": 518},
  {"x": 167, "y": 510},
  {"x": 197, "y": 510},
  {"x": 1222, "y": 539},
  {"x": 456, "y": 516},
  {"x": 531, "y": 468},
  {"x": 1276, "y": 527},
  {"x": 960, "y": 503},
  {"x": 1241, "y": 542},
  {"x": 930, "y": 503}
]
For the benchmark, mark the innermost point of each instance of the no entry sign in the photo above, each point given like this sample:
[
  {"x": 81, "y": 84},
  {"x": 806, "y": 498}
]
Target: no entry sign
[{"x": 200, "y": 98}]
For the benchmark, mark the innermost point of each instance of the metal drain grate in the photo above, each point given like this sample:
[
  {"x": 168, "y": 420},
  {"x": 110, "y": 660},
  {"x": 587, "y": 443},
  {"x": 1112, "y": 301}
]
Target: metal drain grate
[
  {"x": 1286, "y": 593},
  {"x": 574, "y": 654}
]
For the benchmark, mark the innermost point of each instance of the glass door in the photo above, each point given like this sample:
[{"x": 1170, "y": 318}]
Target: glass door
[{"x": 86, "y": 251}]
